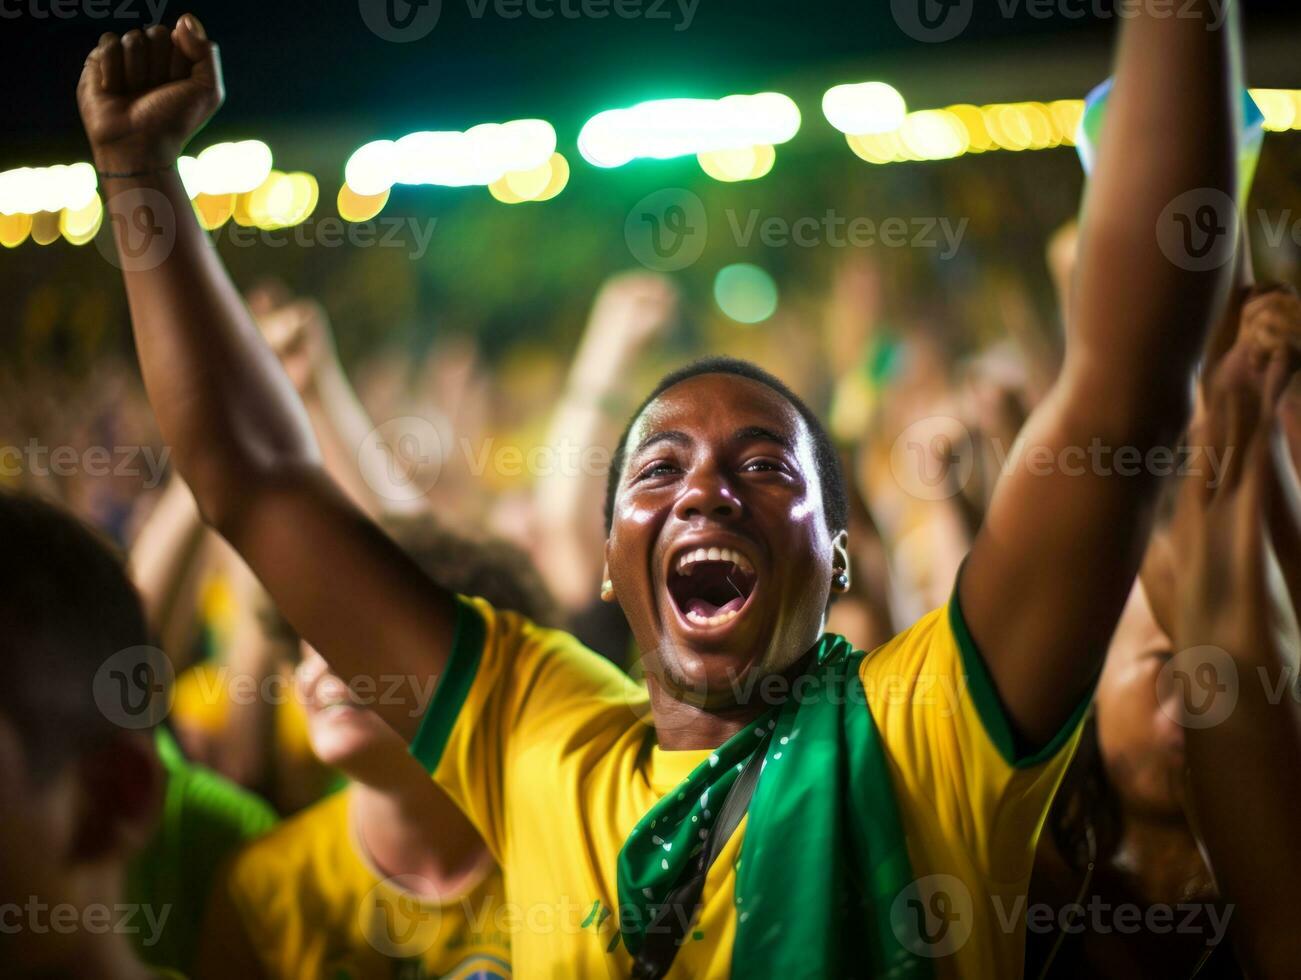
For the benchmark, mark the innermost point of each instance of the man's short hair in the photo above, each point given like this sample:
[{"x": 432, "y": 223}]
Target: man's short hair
[
  {"x": 835, "y": 496},
  {"x": 66, "y": 606}
]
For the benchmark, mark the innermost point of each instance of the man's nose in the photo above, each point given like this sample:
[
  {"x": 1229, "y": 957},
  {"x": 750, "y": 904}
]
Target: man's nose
[{"x": 709, "y": 494}]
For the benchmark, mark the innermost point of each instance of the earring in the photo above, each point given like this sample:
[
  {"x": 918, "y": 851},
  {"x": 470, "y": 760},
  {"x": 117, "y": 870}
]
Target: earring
[
  {"x": 840, "y": 582},
  {"x": 607, "y": 590}
]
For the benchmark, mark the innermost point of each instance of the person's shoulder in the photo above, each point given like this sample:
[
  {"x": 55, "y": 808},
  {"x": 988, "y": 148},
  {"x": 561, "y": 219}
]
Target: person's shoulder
[
  {"x": 919, "y": 636},
  {"x": 315, "y": 837},
  {"x": 545, "y": 648}
]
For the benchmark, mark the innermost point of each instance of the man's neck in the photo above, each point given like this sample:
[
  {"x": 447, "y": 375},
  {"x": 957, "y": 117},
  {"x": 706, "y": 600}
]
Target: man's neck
[
  {"x": 683, "y": 723},
  {"x": 410, "y": 827},
  {"x": 1162, "y": 859}
]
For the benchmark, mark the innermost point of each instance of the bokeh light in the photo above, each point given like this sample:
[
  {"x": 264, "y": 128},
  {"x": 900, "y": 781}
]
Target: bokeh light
[
  {"x": 868, "y": 107},
  {"x": 81, "y": 225},
  {"x": 745, "y": 292},
  {"x": 14, "y": 229},
  {"x": 537, "y": 184},
  {"x": 481, "y": 155},
  {"x": 666, "y": 128},
  {"x": 226, "y": 168},
  {"x": 359, "y": 207}
]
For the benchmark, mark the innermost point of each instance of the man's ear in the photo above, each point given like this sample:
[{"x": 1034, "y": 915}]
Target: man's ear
[
  {"x": 840, "y": 562},
  {"x": 122, "y": 786}
]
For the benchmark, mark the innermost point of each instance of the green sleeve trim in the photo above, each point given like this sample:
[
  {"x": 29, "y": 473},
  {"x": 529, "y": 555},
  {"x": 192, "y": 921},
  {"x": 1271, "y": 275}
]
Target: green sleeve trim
[
  {"x": 1014, "y": 749},
  {"x": 453, "y": 687}
]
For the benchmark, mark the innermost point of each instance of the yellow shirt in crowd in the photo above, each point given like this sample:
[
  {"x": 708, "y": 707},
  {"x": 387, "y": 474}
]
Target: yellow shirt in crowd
[
  {"x": 550, "y": 751},
  {"x": 302, "y": 903}
]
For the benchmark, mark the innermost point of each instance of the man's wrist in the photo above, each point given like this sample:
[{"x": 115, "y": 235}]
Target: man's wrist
[{"x": 122, "y": 163}]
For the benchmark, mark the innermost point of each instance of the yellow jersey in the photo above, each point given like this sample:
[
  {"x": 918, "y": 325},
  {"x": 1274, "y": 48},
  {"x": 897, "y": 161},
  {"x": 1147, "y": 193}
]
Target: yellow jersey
[
  {"x": 551, "y": 752},
  {"x": 302, "y": 902}
]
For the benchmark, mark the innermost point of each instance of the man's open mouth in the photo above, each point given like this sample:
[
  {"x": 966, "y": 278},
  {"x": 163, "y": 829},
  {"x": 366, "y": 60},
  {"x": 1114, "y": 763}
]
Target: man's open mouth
[{"x": 711, "y": 585}]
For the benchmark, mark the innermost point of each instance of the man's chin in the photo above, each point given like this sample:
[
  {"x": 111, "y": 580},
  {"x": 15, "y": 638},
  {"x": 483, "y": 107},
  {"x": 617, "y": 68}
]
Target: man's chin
[{"x": 709, "y": 679}]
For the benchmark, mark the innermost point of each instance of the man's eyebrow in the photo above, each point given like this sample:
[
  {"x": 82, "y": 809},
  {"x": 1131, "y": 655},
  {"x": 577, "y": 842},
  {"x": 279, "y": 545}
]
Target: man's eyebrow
[
  {"x": 757, "y": 433},
  {"x": 666, "y": 435}
]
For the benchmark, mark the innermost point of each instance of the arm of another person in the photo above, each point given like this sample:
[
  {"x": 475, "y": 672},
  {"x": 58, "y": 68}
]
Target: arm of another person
[
  {"x": 630, "y": 311},
  {"x": 1050, "y": 570},
  {"x": 238, "y": 430},
  {"x": 162, "y": 563},
  {"x": 1244, "y": 743}
]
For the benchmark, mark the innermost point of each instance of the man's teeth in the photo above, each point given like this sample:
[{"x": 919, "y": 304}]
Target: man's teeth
[
  {"x": 689, "y": 558},
  {"x": 700, "y": 619}
]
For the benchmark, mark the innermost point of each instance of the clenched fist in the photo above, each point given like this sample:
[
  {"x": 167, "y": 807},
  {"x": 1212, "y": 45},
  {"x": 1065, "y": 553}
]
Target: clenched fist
[{"x": 143, "y": 96}]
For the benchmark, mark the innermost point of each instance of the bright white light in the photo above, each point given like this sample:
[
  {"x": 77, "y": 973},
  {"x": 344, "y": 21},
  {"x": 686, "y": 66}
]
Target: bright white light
[
  {"x": 28, "y": 190},
  {"x": 373, "y": 168},
  {"x": 869, "y": 107},
  {"x": 667, "y": 128},
  {"x": 226, "y": 168},
  {"x": 481, "y": 155}
]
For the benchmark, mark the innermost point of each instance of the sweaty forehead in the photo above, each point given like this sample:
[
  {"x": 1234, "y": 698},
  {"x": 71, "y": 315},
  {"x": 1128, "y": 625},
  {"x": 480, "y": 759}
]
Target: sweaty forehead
[{"x": 717, "y": 405}]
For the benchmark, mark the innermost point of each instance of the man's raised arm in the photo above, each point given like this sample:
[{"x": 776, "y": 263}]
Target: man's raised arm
[
  {"x": 1050, "y": 570},
  {"x": 238, "y": 431}
]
